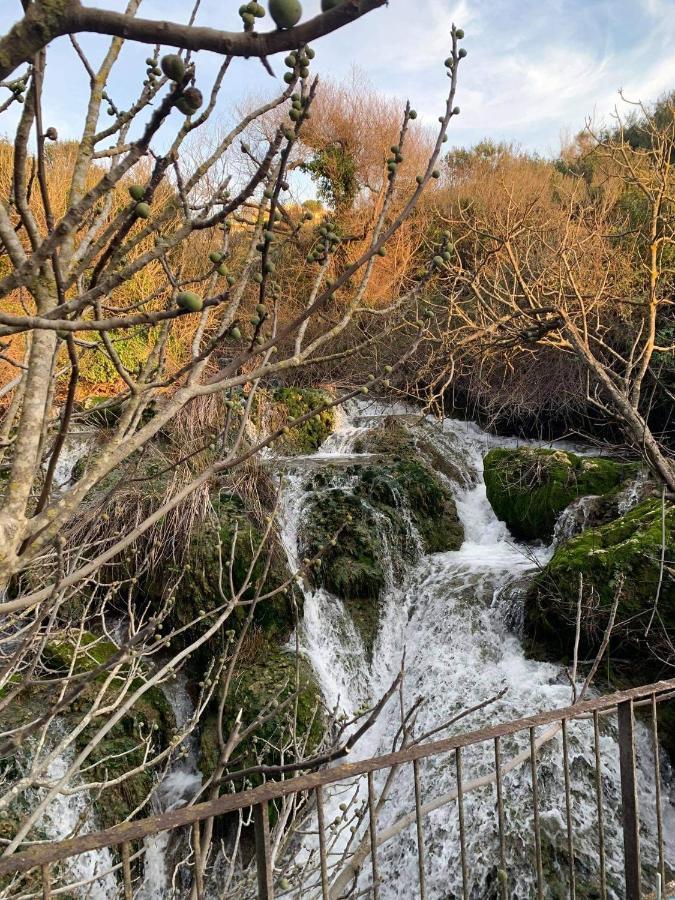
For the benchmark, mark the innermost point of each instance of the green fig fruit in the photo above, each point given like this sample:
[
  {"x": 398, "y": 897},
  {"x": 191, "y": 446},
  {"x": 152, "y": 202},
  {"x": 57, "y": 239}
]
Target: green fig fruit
[
  {"x": 190, "y": 102},
  {"x": 286, "y": 13},
  {"x": 142, "y": 211},
  {"x": 460, "y": 34},
  {"x": 189, "y": 301},
  {"x": 412, "y": 114},
  {"x": 222, "y": 270},
  {"x": 137, "y": 192},
  {"x": 235, "y": 333},
  {"x": 216, "y": 257},
  {"x": 231, "y": 280},
  {"x": 462, "y": 53},
  {"x": 173, "y": 67},
  {"x": 438, "y": 261}
]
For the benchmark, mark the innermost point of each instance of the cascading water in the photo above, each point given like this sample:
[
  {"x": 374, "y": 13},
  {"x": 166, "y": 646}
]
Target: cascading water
[
  {"x": 71, "y": 814},
  {"x": 445, "y": 615},
  {"x": 178, "y": 787}
]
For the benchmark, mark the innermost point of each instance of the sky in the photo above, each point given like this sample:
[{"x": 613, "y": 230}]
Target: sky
[{"x": 535, "y": 71}]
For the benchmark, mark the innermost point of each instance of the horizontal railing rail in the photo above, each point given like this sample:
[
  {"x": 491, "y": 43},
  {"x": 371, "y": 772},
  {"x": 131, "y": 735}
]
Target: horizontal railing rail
[{"x": 43, "y": 855}]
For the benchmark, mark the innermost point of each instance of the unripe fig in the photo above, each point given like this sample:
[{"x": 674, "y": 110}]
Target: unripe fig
[
  {"x": 189, "y": 301},
  {"x": 462, "y": 53},
  {"x": 136, "y": 192},
  {"x": 222, "y": 270},
  {"x": 173, "y": 67},
  {"x": 412, "y": 114},
  {"x": 261, "y": 309},
  {"x": 216, "y": 257},
  {"x": 438, "y": 261},
  {"x": 456, "y": 111},
  {"x": 235, "y": 333},
  {"x": 231, "y": 280},
  {"x": 142, "y": 211},
  {"x": 460, "y": 34},
  {"x": 286, "y": 13},
  {"x": 190, "y": 102},
  {"x": 435, "y": 174}
]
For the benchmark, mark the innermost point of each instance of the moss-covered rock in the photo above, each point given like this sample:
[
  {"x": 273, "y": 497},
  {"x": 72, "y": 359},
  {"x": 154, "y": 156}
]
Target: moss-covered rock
[
  {"x": 121, "y": 750},
  {"x": 529, "y": 487},
  {"x": 268, "y": 674},
  {"x": 623, "y": 555},
  {"x": 230, "y": 533},
  {"x": 289, "y": 403},
  {"x": 359, "y": 518}
]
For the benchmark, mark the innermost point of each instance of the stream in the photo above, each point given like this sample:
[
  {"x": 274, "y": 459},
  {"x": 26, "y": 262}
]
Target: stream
[{"x": 447, "y": 615}]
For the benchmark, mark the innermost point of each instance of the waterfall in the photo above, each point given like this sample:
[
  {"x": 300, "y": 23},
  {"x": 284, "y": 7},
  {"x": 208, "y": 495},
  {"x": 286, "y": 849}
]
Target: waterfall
[
  {"x": 444, "y": 614},
  {"x": 179, "y": 786},
  {"x": 68, "y": 815}
]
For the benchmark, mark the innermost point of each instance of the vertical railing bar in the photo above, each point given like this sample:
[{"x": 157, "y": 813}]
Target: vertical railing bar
[
  {"x": 126, "y": 868},
  {"x": 599, "y": 804},
  {"x": 462, "y": 833},
  {"x": 323, "y": 853},
  {"x": 373, "y": 836},
  {"x": 568, "y": 810},
  {"x": 503, "y": 876},
  {"x": 629, "y": 801},
  {"x": 46, "y": 882},
  {"x": 535, "y": 810},
  {"x": 657, "y": 784},
  {"x": 197, "y": 849},
  {"x": 420, "y": 829},
  {"x": 263, "y": 852}
]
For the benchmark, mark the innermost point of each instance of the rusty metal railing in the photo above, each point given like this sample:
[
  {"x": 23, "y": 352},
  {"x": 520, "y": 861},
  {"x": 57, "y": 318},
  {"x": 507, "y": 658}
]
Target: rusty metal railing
[{"x": 42, "y": 858}]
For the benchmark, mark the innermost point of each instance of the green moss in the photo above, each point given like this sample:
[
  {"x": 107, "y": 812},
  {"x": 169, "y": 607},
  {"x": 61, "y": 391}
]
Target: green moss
[
  {"x": 133, "y": 350},
  {"x": 268, "y": 674},
  {"x": 295, "y": 403},
  {"x": 432, "y": 507},
  {"x": 529, "y": 488},
  {"x": 352, "y": 566},
  {"x": 627, "y": 549}
]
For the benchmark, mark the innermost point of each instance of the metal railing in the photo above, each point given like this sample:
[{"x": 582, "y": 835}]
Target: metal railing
[{"x": 41, "y": 858}]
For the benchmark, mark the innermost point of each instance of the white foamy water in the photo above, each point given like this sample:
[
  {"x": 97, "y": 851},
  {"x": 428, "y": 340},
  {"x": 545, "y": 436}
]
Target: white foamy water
[
  {"x": 68, "y": 815},
  {"x": 444, "y": 615},
  {"x": 178, "y": 787}
]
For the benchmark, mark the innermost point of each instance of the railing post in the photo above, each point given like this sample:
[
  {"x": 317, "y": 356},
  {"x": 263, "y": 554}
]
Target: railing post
[
  {"x": 263, "y": 853},
  {"x": 629, "y": 801}
]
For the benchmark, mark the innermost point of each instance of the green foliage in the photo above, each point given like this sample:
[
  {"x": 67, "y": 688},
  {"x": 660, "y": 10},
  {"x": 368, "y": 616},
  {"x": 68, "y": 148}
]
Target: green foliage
[
  {"x": 334, "y": 170},
  {"x": 133, "y": 349},
  {"x": 529, "y": 488}
]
